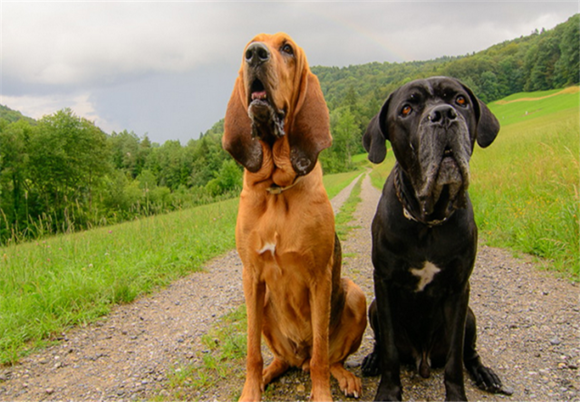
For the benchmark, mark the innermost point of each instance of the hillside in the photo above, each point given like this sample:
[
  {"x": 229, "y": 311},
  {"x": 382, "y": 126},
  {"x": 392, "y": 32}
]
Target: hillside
[
  {"x": 11, "y": 116},
  {"x": 541, "y": 61}
]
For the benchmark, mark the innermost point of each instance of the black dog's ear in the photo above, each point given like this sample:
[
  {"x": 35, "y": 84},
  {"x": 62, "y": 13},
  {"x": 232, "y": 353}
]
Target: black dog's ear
[
  {"x": 375, "y": 137},
  {"x": 487, "y": 127},
  {"x": 487, "y": 123}
]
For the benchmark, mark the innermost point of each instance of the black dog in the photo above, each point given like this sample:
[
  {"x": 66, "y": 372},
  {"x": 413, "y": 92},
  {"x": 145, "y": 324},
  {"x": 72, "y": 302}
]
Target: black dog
[{"x": 425, "y": 237}]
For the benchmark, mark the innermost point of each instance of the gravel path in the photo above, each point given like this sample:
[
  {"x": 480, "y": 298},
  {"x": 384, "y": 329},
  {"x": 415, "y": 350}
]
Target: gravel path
[{"x": 528, "y": 325}]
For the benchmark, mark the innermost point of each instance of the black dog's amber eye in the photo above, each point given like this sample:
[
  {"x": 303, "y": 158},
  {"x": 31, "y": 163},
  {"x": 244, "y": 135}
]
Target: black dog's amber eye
[
  {"x": 287, "y": 49},
  {"x": 406, "y": 110},
  {"x": 461, "y": 101}
]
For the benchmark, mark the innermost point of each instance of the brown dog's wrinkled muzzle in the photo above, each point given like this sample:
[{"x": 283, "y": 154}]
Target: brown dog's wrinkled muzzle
[{"x": 260, "y": 81}]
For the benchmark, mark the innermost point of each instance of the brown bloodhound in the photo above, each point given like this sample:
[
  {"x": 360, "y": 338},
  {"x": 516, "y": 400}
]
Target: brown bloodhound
[{"x": 276, "y": 125}]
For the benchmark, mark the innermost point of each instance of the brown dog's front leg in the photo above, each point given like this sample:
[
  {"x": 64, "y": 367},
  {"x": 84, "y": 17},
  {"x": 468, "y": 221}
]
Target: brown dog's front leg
[
  {"x": 254, "y": 292},
  {"x": 319, "y": 361}
]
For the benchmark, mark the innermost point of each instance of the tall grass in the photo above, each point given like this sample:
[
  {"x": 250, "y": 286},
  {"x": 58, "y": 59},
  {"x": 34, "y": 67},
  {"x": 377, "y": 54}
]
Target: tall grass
[
  {"x": 48, "y": 285},
  {"x": 525, "y": 189},
  {"x": 54, "y": 283}
]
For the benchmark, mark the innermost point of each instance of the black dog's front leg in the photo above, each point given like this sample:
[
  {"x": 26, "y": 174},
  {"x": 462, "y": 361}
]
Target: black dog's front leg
[
  {"x": 455, "y": 314},
  {"x": 390, "y": 385}
]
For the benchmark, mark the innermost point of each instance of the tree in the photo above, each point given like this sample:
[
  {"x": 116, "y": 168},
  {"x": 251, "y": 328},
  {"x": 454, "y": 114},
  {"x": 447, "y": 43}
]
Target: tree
[
  {"x": 68, "y": 159},
  {"x": 346, "y": 136},
  {"x": 13, "y": 167},
  {"x": 568, "y": 65}
]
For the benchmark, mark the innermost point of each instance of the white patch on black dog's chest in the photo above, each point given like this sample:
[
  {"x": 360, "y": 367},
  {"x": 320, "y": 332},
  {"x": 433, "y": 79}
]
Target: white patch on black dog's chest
[{"x": 425, "y": 275}]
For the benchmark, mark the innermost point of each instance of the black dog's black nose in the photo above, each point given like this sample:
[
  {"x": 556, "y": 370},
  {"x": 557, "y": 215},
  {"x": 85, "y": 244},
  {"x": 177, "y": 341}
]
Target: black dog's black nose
[
  {"x": 442, "y": 114},
  {"x": 256, "y": 54}
]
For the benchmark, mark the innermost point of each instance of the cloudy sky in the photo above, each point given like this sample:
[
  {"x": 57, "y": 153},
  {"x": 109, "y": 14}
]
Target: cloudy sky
[{"x": 166, "y": 69}]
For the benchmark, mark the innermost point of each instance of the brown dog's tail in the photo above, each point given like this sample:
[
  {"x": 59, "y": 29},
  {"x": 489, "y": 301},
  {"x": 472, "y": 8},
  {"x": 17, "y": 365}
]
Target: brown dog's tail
[{"x": 338, "y": 297}]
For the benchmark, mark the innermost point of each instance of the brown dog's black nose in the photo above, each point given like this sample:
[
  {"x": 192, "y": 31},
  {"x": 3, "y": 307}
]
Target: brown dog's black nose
[
  {"x": 256, "y": 54},
  {"x": 442, "y": 114}
]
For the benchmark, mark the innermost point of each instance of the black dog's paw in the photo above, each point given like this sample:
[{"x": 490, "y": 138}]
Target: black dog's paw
[
  {"x": 370, "y": 365},
  {"x": 388, "y": 392},
  {"x": 486, "y": 379}
]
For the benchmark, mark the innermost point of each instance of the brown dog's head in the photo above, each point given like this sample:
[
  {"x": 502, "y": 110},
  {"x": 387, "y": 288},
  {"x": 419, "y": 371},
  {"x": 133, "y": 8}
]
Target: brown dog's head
[
  {"x": 432, "y": 125},
  {"x": 275, "y": 95}
]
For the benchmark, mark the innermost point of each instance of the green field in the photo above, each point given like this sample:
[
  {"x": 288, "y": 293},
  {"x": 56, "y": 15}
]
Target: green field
[
  {"x": 49, "y": 285},
  {"x": 524, "y": 186}
]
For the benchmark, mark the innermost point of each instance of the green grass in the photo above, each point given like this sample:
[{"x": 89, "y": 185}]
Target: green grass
[
  {"x": 524, "y": 186},
  {"x": 527, "y": 106},
  {"x": 334, "y": 183},
  {"x": 49, "y": 285},
  {"x": 52, "y": 284},
  {"x": 345, "y": 215}
]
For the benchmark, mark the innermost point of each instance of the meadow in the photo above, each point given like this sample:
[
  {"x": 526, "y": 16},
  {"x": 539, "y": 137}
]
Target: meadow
[{"x": 525, "y": 185}]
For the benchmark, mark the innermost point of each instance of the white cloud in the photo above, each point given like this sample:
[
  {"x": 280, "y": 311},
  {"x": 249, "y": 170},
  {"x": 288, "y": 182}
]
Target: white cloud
[{"x": 71, "y": 43}]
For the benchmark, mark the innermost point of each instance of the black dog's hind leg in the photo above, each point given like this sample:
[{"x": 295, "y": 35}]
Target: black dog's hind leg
[
  {"x": 484, "y": 377},
  {"x": 390, "y": 388},
  {"x": 371, "y": 366}
]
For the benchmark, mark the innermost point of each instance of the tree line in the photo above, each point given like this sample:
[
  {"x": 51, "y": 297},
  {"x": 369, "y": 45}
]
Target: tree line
[{"x": 62, "y": 173}]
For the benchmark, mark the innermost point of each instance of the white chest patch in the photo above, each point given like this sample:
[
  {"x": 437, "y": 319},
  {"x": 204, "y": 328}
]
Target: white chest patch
[
  {"x": 425, "y": 275},
  {"x": 268, "y": 247}
]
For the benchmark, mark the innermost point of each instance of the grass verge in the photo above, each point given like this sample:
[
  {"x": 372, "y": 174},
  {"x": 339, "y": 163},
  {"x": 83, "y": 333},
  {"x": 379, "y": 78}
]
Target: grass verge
[
  {"x": 50, "y": 285},
  {"x": 345, "y": 215}
]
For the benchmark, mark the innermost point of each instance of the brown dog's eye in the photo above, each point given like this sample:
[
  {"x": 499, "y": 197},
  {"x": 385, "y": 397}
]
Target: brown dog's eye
[
  {"x": 287, "y": 49},
  {"x": 461, "y": 101},
  {"x": 406, "y": 110}
]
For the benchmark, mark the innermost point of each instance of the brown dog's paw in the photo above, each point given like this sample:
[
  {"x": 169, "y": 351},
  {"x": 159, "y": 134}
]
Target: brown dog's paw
[{"x": 349, "y": 384}]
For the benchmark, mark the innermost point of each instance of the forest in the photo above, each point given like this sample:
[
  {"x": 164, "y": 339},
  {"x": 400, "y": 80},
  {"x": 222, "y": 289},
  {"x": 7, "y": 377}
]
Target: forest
[{"x": 62, "y": 173}]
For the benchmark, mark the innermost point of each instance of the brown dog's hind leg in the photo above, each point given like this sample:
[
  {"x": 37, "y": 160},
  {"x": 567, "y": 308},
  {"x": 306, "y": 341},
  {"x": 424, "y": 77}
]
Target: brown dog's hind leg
[
  {"x": 347, "y": 337},
  {"x": 274, "y": 370}
]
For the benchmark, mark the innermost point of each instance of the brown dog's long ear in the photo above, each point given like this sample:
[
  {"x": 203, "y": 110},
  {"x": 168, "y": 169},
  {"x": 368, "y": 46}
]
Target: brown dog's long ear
[
  {"x": 487, "y": 123},
  {"x": 310, "y": 131},
  {"x": 375, "y": 137},
  {"x": 237, "y": 139}
]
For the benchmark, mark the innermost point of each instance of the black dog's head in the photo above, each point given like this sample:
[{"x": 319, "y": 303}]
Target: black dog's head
[{"x": 433, "y": 125}]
